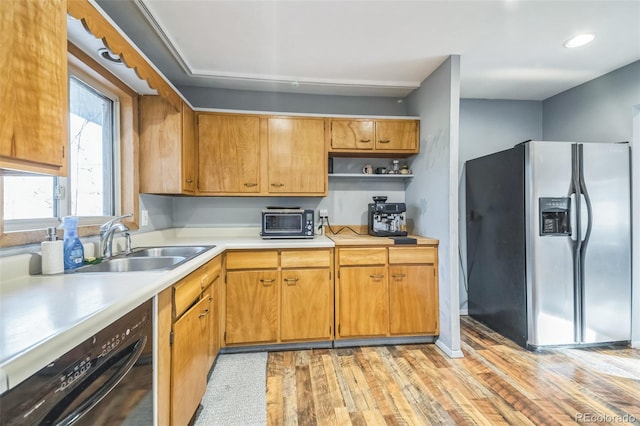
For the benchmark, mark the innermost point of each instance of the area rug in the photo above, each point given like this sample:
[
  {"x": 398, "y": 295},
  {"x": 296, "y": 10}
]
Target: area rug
[{"x": 236, "y": 392}]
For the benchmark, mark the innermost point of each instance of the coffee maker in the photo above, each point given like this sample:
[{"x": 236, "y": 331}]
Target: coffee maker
[{"x": 386, "y": 219}]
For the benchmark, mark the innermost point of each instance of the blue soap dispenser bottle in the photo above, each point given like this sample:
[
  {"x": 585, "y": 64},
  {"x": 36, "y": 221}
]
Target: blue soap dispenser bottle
[{"x": 73, "y": 249}]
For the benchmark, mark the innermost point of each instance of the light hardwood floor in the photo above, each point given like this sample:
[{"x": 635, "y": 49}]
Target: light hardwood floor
[{"x": 495, "y": 383}]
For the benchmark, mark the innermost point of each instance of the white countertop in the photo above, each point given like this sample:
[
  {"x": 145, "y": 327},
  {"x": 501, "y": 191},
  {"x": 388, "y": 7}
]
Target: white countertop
[{"x": 43, "y": 317}]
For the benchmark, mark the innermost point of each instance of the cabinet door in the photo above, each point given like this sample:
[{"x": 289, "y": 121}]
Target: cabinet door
[
  {"x": 160, "y": 146},
  {"x": 413, "y": 300},
  {"x": 228, "y": 153},
  {"x": 33, "y": 86},
  {"x": 307, "y": 305},
  {"x": 297, "y": 157},
  {"x": 352, "y": 134},
  {"x": 252, "y": 307},
  {"x": 364, "y": 303},
  {"x": 189, "y": 358},
  {"x": 189, "y": 150},
  {"x": 401, "y": 135},
  {"x": 214, "y": 322}
]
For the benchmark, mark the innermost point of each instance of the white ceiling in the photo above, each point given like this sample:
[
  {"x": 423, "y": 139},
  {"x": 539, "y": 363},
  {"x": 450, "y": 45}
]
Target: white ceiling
[{"x": 509, "y": 49}]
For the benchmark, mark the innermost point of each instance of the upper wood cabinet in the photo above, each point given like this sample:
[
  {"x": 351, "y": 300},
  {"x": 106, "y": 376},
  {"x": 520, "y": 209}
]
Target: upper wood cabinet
[
  {"x": 372, "y": 137},
  {"x": 167, "y": 147},
  {"x": 243, "y": 154},
  {"x": 33, "y": 86},
  {"x": 297, "y": 160},
  {"x": 228, "y": 154}
]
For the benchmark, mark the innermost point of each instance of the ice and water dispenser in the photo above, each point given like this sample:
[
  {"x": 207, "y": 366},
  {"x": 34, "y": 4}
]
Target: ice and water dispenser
[{"x": 555, "y": 216}]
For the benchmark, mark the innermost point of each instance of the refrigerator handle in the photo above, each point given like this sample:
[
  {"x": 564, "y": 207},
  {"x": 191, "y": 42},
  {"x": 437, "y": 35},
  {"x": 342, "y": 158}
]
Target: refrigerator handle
[
  {"x": 573, "y": 218},
  {"x": 577, "y": 244},
  {"x": 587, "y": 200}
]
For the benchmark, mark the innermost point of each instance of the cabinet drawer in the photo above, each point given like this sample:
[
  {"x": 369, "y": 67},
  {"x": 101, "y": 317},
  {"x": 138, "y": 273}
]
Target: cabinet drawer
[
  {"x": 210, "y": 271},
  {"x": 412, "y": 255},
  {"x": 252, "y": 259},
  {"x": 305, "y": 258},
  {"x": 363, "y": 256},
  {"x": 186, "y": 291}
]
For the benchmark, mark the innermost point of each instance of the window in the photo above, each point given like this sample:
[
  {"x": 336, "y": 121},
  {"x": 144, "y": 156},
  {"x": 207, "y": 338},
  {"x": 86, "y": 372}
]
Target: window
[
  {"x": 102, "y": 176},
  {"x": 37, "y": 201},
  {"x": 91, "y": 151}
]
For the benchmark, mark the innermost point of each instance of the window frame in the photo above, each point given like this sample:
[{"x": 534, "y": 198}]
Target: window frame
[{"x": 127, "y": 181}]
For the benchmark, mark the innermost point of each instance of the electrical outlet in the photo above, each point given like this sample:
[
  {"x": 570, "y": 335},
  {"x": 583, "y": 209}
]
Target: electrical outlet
[
  {"x": 324, "y": 213},
  {"x": 144, "y": 217}
]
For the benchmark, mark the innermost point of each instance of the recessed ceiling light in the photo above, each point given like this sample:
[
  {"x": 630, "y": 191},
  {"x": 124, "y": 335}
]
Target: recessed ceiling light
[{"x": 579, "y": 40}]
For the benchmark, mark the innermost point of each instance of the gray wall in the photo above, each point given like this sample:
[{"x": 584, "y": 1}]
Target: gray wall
[
  {"x": 599, "y": 110},
  {"x": 488, "y": 126},
  {"x": 160, "y": 210},
  {"x": 603, "y": 110},
  {"x": 203, "y": 97},
  {"x": 432, "y": 195},
  {"x": 346, "y": 203}
]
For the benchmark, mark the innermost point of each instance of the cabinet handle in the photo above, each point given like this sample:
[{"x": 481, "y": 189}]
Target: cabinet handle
[
  {"x": 204, "y": 313},
  {"x": 291, "y": 281},
  {"x": 250, "y": 184},
  {"x": 365, "y": 140},
  {"x": 377, "y": 276},
  {"x": 277, "y": 184},
  {"x": 398, "y": 276},
  {"x": 384, "y": 141},
  {"x": 267, "y": 282},
  {"x": 189, "y": 180}
]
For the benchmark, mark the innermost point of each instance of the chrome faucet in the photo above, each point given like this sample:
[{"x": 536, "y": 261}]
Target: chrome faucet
[{"x": 107, "y": 230}]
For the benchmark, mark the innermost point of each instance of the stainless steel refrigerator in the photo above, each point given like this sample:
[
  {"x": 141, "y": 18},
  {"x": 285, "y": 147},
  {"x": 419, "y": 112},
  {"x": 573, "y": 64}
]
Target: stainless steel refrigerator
[{"x": 549, "y": 243}]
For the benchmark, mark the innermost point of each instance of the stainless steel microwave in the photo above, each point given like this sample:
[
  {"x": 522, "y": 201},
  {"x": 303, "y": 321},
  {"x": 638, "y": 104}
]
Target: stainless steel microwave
[{"x": 287, "y": 223}]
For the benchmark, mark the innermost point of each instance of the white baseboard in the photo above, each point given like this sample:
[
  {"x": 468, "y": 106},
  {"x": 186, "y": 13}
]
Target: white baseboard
[
  {"x": 464, "y": 311},
  {"x": 635, "y": 344},
  {"x": 450, "y": 353}
]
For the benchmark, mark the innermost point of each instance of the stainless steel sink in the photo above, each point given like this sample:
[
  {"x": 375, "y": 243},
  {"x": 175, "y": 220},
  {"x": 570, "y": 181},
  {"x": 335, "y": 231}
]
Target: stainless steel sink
[
  {"x": 132, "y": 264},
  {"x": 147, "y": 259},
  {"x": 185, "y": 251}
]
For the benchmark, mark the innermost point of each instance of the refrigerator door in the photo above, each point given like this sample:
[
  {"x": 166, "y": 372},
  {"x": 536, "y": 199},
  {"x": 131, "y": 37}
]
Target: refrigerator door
[
  {"x": 606, "y": 278},
  {"x": 549, "y": 260}
]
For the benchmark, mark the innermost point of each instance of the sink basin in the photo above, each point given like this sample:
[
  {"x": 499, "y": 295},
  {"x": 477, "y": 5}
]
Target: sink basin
[
  {"x": 147, "y": 259},
  {"x": 184, "y": 251},
  {"x": 132, "y": 264}
]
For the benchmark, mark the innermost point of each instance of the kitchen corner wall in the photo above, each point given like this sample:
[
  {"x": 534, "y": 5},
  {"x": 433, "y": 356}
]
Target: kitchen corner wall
[
  {"x": 488, "y": 126},
  {"x": 432, "y": 195}
]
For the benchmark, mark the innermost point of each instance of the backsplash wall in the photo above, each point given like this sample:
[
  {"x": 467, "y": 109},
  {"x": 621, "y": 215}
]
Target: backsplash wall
[{"x": 346, "y": 205}]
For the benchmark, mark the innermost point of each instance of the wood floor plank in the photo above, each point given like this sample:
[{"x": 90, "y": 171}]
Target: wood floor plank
[
  {"x": 275, "y": 402},
  {"x": 495, "y": 383},
  {"x": 321, "y": 393},
  {"x": 304, "y": 393}
]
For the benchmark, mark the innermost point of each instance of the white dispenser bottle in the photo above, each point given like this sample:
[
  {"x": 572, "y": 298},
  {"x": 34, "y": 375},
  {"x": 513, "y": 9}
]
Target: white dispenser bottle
[{"x": 52, "y": 250}]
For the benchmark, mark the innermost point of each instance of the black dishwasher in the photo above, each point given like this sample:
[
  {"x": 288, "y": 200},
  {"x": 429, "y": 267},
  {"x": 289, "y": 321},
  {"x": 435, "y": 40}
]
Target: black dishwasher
[{"x": 107, "y": 379}]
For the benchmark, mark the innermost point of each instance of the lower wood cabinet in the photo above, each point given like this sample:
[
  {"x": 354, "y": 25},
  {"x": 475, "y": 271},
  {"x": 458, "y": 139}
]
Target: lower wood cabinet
[
  {"x": 413, "y": 292},
  {"x": 189, "y": 359},
  {"x": 188, "y": 342},
  {"x": 307, "y": 305},
  {"x": 364, "y": 301},
  {"x": 278, "y": 296},
  {"x": 386, "y": 291},
  {"x": 252, "y": 307}
]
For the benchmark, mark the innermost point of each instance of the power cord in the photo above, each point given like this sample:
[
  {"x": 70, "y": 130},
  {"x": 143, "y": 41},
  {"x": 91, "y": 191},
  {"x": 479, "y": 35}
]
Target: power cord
[{"x": 341, "y": 229}]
